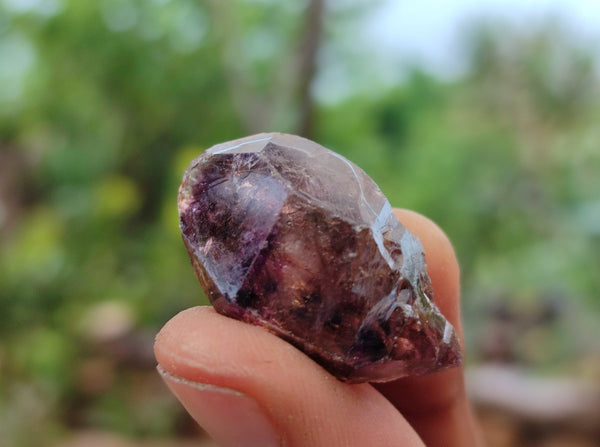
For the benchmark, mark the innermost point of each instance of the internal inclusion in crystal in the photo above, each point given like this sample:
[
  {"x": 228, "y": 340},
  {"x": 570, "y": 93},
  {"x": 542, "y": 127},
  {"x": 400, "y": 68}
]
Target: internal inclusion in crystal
[{"x": 288, "y": 235}]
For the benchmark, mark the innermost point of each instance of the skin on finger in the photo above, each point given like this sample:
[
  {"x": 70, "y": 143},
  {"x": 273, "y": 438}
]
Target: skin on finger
[
  {"x": 306, "y": 405},
  {"x": 436, "y": 405}
]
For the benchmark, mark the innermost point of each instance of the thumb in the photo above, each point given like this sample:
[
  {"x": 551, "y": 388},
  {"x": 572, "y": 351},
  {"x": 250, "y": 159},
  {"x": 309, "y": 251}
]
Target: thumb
[
  {"x": 246, "y": 387},
  {"x": 229, "y": 416}
]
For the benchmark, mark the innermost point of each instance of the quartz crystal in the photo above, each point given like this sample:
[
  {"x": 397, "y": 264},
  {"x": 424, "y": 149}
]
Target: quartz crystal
[{"x": 286, "y": 234}]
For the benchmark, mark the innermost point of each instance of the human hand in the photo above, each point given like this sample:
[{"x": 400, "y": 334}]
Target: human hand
[{"x": 247, "y": 387}]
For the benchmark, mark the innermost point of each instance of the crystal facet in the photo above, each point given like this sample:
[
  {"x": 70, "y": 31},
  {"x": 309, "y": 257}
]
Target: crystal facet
[{"x": 286, "y": 234}]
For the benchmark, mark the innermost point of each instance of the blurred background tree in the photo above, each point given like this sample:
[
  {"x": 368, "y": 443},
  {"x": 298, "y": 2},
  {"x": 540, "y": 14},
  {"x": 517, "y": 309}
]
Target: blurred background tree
[{"x": 103, "y": 104}]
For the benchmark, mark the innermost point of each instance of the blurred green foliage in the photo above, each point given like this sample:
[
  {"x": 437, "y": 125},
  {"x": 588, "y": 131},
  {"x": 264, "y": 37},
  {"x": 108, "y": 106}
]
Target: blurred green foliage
[{"x": 103, "y": 104}]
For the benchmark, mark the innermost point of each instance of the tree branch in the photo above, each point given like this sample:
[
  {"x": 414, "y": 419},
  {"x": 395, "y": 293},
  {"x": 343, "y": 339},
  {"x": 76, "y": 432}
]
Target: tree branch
[{"x": 307, "y": 65}]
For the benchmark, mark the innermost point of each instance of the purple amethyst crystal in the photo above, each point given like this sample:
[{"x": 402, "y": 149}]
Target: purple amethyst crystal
[{"x": 286, "y": 234}]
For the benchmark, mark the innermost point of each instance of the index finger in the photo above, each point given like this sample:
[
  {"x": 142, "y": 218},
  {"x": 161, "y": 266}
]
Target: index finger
[{"x": 436, "y": 405}]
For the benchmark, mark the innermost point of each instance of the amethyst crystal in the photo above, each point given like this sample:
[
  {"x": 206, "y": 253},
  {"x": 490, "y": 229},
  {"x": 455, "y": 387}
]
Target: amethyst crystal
[{"x": 291, "y": 236}]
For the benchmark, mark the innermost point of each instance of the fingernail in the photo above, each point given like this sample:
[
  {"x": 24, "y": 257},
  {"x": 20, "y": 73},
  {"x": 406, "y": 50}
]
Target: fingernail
[{"x": 230, "y": 417}]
